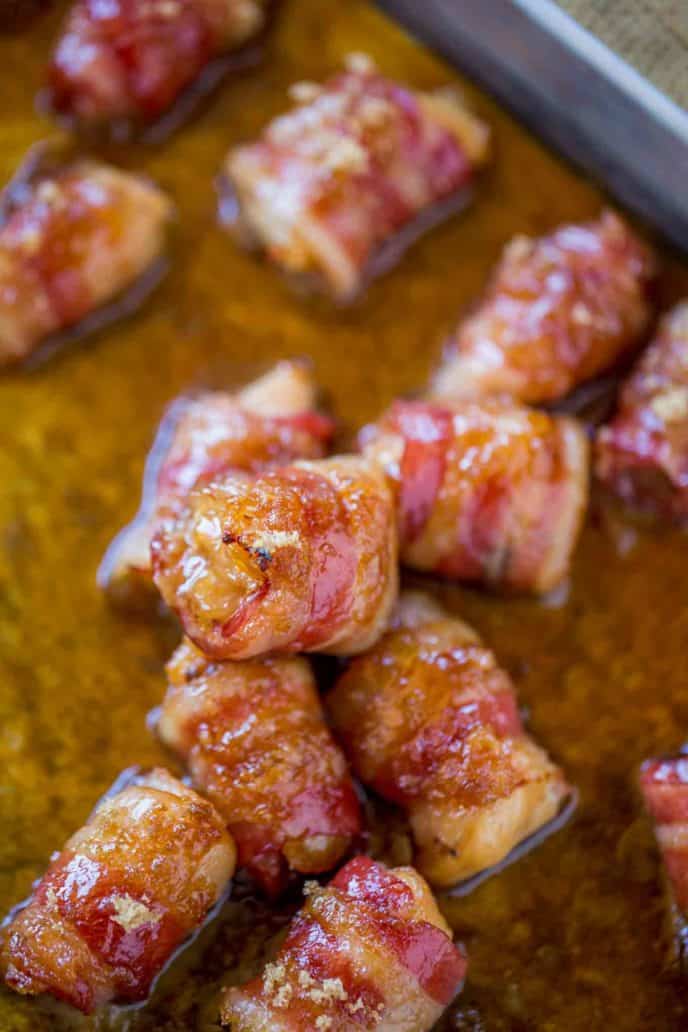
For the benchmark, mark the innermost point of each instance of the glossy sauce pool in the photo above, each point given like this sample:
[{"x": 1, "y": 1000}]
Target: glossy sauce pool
[{"x": 570, "y": 939}]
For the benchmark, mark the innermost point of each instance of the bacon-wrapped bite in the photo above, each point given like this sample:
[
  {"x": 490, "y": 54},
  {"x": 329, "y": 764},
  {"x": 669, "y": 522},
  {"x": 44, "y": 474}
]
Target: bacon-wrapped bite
[
  {"x": 124, "y": 893},
  {"x": 369, "y": 951},
  {"x": 271, "y": 422},
  {"x": 643, "y": 454},
  {"x": 559, "y": 310},
  {"x": 488, "y": 491},
  {"x": 328, "y": 187},
  {"x": 664, "y": 786},
  {"x": 429, "y": 720},
  {"x": 254, "y": 739},
  {"x": 126, "y": 62},
  {"x": 300, "y": 559},
  {"x": 73, "y": 237}
]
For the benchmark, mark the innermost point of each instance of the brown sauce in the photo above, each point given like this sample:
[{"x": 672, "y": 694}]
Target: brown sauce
[{"x": 571, "y": 938}]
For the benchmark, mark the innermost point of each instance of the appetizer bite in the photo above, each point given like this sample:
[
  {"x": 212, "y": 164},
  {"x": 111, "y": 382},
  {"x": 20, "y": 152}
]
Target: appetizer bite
[
  {"x": 271, "y": 422},
  {"x": 73, "y": 237},
  {"x": 125, "y": 63},
  {"x": 254, "y": 739},
  {"x": 369, "y": 951},
  {"x": 559, "y": 310},
  {"x": 429, "y": 721},
  {"x": 328, "y": 187},
  {"x": 643, "y": 454},
  {"x": 664, "y": 786},
  {"x": 487, "y": 491},
  {"x": 124, "y": 893},
  {"x": 300, "y": 559}
]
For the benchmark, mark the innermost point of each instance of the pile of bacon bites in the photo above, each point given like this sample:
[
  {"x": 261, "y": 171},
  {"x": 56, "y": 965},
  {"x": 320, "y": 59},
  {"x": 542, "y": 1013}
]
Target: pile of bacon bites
[{"x": 267, "y": 547}]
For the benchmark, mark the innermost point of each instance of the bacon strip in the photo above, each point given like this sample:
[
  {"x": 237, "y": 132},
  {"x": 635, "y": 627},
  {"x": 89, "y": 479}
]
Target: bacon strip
[
  {"x": 303, "y": 558},
  {"x": 487, "y": 491},
  {"x": 559, "y": 310},
  {"x": 430, "y": 721},
  {"x": 332, "y": 182},
  {"x": 664, "y": 787},
  {"x": 128, "y": 61},
  {"x": 642, "y": 455},
  {"x": 254, "y": 739},
  {"x": 123, "y": 894},
  {"x": 370, "y": 951},
  {"x": 272, "y": 421},
  {"x": 72, "y": 239}
]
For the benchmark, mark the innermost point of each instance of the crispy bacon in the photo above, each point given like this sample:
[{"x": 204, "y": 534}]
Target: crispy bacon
[
  {"x": 123, "y": 894},
  {"x": 369, "y": 951},
  {"x": 429, "y": 720},
  {"x": 272, "y": 421},
  {"x": 643, "y": 454},
  {"x": 488, "y": 491},
  {"x": 664, "y": 786},
  {"x": 559, "y": 310},
  {"x": 255, "y": 742},
  {"x": 301, "y": 559},
  {"x": 72, "y": 238},
  {"x": 126, "y": 62},
  {"x": 332, "y": 182}
]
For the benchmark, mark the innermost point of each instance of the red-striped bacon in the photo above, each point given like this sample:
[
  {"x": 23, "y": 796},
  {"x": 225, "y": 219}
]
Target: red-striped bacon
[
  {"x": 369, "y": 951},
  {"x": 254, "y": 739},
  {"x": 128, "y": 61},
  {"x": 119, "y": 899},
  {"x": 429, "y": 720},
  {"x": 330, "y": 184},
  {"x": 272, "y": 421},
  {"x": 664, "y": 785},
  {"x": 559, "y": 310},
  {"x": 303, "y": 558},
  {"x": 73, "y": 237},
  {"x": 642, "y": 455},
  {"x": 488, "y": 491}
]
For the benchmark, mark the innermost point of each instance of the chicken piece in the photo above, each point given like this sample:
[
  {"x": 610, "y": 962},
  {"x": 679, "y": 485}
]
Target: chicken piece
[
  {"x": 642, "y": 455},
  {"x": 124, "y": 893},
  {"x": 270, "y": 422},
  {"x": 255, "y": 742},
  {"x": 488, "y": 491},
  {"x": 664, "y": 786},
  {"x": 429, "y": 721},
  {"x": 125, "y": 63},
  {"x": 369, "y": 951},
  {"x": 328, "y": 187},
  {"x": 559, "y": 310},
  {"x": 73, "y": 237},
  {"x": 300, "y": 559}
]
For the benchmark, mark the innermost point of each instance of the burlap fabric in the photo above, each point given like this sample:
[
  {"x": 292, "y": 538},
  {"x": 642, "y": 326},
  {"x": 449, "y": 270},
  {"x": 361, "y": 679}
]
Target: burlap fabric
[{"x": 652, "y": 35}]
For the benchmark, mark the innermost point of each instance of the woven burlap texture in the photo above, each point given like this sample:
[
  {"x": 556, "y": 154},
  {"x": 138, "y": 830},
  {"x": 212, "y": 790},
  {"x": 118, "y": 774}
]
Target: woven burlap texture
[{"x": 652, "y": 35}]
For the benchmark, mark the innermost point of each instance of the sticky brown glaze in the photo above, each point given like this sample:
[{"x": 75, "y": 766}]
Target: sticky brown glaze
[
  {"x": 71, "y": 240},
  {"x": 488, "y": 491},
  {"x": 17, "y": 14},
  {"x": 558, "y": 310},
  {"x": 354, "y": 161},
  {"x": 119, "y": 899},
  {"x": 128, "y": 61},
  {"x": 369, "y": 951},
  {"x": 430, "y": 721},
  {"x": 664, "y": 786},
  {"x": 271, "y": 422},
  {"x": 255, "y": 742},
  {"x": 302, "y": 559},
  {"x": 643, "y": 454}
]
